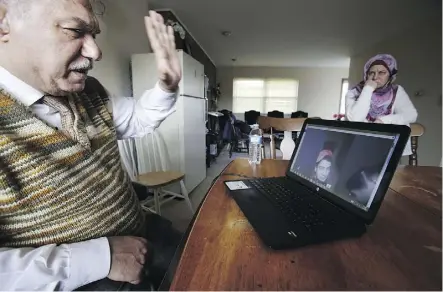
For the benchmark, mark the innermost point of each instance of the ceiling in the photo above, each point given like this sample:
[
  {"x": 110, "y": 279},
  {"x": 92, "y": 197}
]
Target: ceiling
[{"x": 309, "y": 33}]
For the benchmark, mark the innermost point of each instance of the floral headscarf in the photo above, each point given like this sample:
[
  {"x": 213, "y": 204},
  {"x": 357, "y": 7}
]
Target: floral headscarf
[{"x": 387, "y": 60}]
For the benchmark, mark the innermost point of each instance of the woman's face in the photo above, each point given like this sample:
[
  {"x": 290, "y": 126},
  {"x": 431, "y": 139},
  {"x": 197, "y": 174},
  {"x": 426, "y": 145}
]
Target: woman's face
[{"x": 379, "y": 74}]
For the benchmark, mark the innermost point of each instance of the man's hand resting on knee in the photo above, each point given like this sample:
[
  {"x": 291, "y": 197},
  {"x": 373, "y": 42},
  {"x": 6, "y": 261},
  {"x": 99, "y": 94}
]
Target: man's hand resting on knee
[{"x": 128, "y": 255}]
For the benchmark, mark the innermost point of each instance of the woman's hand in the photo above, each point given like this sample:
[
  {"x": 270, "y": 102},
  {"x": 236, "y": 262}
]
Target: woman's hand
[{"x": 371, "y": 83}]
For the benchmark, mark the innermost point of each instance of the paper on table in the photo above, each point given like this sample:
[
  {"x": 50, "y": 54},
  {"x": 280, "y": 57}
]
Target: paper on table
[{"x": 236, "y": 185}]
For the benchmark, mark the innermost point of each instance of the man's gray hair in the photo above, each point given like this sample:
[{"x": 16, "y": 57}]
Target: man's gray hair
[{"x": 17, "y": 7}]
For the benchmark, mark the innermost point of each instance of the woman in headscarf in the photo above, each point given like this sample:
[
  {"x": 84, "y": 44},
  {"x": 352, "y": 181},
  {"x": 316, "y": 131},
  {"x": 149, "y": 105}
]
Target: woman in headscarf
[{"x": 377, "y": 99}]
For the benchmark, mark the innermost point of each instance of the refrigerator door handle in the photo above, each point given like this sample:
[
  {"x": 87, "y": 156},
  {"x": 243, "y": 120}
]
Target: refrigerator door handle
[{"x": 206, "y": 110}]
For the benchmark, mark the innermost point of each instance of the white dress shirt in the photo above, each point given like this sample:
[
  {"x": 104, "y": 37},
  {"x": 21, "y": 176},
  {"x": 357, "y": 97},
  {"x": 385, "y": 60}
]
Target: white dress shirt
[
  {"x": 69, "y": 266},
  {"x": 403, "y": 111}
]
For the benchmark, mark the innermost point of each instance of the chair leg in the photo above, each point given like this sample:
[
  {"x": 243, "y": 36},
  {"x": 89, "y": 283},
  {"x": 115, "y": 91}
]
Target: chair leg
[
  {"x": 157, "y": 201},
  {"x": 144, "y": 203},
  {"x": 413, "y": 160},
  {"x": 186, "y": 196}
]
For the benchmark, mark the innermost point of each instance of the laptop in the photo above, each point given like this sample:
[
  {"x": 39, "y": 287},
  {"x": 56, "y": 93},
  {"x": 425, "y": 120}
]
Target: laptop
[{"x": 334, "y": 185}]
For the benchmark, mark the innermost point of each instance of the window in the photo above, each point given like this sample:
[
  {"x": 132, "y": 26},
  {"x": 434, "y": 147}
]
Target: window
[
  {"x": 344, "y": 90},
  {"x": 265, "y": 95}
]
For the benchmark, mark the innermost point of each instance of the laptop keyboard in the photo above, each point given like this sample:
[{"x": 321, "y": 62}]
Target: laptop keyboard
[{"x": 300, "y": 207}]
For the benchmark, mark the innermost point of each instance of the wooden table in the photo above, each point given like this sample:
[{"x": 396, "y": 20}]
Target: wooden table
[
  {"x": 420, "y": 184},
  {"x": 400, "y": 251}
]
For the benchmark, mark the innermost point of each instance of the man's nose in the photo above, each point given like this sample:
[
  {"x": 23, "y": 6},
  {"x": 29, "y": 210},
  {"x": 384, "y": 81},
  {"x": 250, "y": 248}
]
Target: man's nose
[{"x": 90, "y": 49}]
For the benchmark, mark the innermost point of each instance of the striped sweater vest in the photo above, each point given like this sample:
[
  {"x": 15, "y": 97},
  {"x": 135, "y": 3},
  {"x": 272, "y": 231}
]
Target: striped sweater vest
[{"x": 52, "y": 189}]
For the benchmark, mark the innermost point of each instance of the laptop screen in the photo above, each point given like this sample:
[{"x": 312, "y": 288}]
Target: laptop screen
[{"x": 348, "y": 163}]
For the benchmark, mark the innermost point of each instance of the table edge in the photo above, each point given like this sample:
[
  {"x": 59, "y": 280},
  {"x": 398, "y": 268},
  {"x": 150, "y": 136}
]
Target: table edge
[{"x": 165, "y": 285}]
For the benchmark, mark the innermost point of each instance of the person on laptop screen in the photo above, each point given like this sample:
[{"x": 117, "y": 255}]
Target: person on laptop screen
[{"x": 322, "y": 168}]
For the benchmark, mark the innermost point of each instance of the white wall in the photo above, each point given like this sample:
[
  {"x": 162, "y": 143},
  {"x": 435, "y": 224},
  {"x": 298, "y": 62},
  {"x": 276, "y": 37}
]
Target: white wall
[
  {"x": 318, "y": 93},
  {"x": 123, "y": 34},
  {"x": 419, "y": 55}
]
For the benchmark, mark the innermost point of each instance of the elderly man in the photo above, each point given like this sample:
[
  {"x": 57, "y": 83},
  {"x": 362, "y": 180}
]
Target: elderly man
[{"x": 68, "y": 214}]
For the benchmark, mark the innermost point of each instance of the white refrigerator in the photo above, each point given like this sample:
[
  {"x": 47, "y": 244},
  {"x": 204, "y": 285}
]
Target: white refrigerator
[{"x": 184, "y": 132}]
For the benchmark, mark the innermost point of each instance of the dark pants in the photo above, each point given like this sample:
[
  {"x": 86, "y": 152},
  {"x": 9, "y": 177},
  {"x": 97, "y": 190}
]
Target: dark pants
[{"x": 163, "y": 242}]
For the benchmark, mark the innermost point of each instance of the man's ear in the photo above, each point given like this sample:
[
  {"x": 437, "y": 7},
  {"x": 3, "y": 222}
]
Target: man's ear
[{"x": 4, "y": 24}]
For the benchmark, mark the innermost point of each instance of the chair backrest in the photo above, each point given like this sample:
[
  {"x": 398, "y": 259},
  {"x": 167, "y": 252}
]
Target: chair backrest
[
  {"x": 287, "y": 126},
  {"x": 276, "y": 114},
  {"x": 128, "y": 156},
  {"x": 251, "y": 117},
  {"x": 299, "y": 114},
  {"x": 417, "y": 130},
  {"x": 152, "y": 154}
]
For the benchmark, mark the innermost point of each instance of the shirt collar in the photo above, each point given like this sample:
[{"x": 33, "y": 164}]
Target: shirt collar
[{"x": 23, "y": 92}]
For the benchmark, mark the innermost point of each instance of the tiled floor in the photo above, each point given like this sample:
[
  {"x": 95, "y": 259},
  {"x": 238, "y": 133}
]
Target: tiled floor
[{"x": 178, "y": 212}]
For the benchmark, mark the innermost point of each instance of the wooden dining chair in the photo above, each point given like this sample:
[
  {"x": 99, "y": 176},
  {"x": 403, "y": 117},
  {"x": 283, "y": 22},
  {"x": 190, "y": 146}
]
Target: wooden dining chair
[
  {"x": 251, "y": 117},
  {"x": 417, "y": 130},
  {"x": 286, "y": 125},
  {"x": 276, "y": 114},
  {"x": 157, "y": 175},
  {"x": 299, "y": 114}
]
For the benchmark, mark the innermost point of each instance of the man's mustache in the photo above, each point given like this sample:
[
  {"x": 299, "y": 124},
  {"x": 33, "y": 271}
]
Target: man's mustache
[{"x": 82, "y": 66}]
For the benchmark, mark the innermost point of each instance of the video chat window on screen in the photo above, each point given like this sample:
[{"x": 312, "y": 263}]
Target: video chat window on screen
[{"x": 344, "y": 162}]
